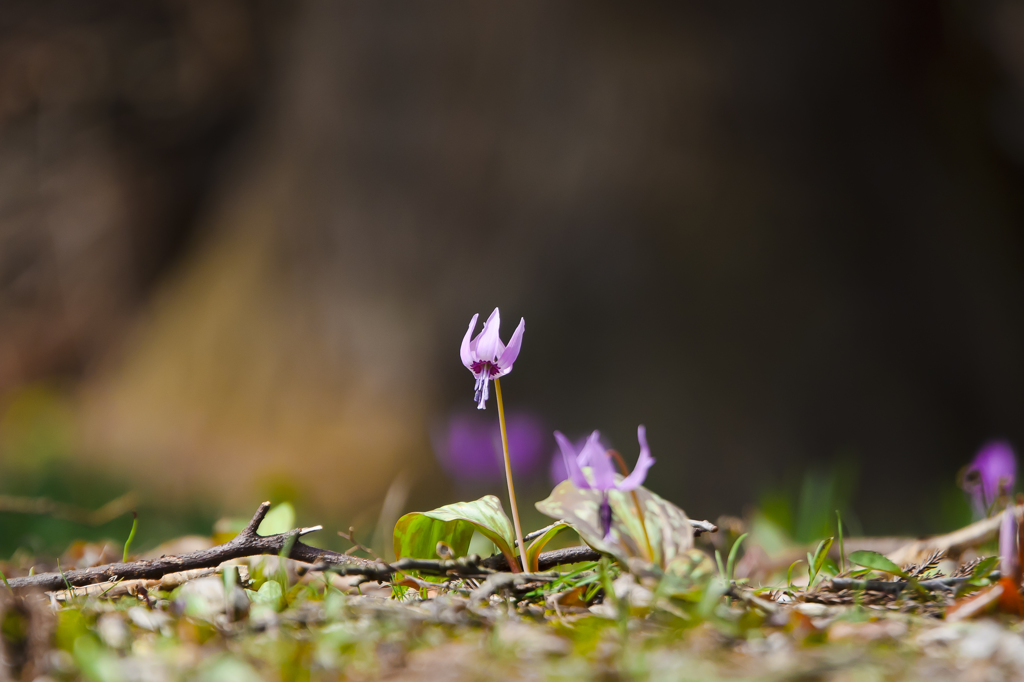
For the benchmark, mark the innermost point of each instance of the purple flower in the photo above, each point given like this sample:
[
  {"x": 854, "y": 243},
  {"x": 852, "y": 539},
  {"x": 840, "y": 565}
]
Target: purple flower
[
  {"x": 468, "y": 447},
  {"x": 990, "y": 476},
  {"x": 1009, "y": 559},
  {"x": 486, "y": 356},
  {"x": 557, "y": 469},
  {"x": 602, "y": 470}
]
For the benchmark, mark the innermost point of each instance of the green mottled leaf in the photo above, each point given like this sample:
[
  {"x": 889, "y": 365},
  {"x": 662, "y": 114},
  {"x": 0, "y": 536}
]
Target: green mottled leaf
[
  {"x": 876, "y": 561},
  {"x": 667, "y": 526},
  {"x": 693, "y": 566},
  {"x": 417, "y": 534},
  {"x": 537, "y": 546}
]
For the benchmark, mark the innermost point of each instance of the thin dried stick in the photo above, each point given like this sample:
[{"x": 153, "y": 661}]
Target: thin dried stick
[
  {"x": 897, "y": 586},
  {"x": 350, "y": 536},
  {"x": 953, "y": 544},
  {"x": 246, "y": 543}
]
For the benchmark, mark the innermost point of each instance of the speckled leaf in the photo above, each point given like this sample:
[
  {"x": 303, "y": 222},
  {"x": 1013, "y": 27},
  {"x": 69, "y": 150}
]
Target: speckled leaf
[
  {"x": 417, "y": 534},
  {"x": 667, "y": 526},
  {"x": 692, "y": 566}
]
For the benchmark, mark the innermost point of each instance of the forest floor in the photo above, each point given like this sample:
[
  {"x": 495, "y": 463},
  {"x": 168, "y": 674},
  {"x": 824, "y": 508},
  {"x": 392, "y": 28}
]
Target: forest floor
[{"x": 265, "y": 617}]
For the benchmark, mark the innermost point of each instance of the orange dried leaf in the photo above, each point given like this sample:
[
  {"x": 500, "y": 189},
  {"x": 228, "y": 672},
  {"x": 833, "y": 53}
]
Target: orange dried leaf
[
  {"x": 980, "y": 602},
  {"x": 1010, "y": 601}
]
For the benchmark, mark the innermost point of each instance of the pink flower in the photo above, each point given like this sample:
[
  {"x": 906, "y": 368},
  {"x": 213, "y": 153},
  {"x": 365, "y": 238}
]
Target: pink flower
[
  {"x": 486, "y": 356},
  {"x": 557, "y": 469},
  {"x": 602, "y": 469},
  {"x": 990, "y": 475}
]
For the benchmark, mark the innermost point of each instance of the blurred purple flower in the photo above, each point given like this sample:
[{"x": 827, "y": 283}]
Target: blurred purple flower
[
  {"x": 990, "y": 475},
  {"x": 557, "y": 470},
  {"x": 1009, "y": 559},
  {"x": 602, "y": 469},
  {"x": 486, "y": 356},
  {"x": 468, "y": 447}
]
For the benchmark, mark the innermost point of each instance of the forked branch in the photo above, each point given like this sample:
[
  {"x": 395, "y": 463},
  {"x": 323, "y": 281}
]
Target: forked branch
[{"x": 245, "y": 544}]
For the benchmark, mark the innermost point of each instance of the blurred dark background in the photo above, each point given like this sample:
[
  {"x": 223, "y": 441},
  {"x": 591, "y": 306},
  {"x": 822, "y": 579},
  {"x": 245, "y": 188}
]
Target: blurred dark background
[{"x": 240, "y": 242}]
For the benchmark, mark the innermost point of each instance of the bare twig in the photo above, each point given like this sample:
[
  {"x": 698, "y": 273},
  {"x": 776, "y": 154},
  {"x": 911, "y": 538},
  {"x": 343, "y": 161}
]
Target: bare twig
[
  {"x": 467, "y": 567},
  {"x": 530, "y": 537},
  {"x": 119, "y": 588},
  {"x": 503, "y": 581},
  {"x": 897, "y": 586},
  {"x": 247, "y": 543},
  {"x": 751, "y": 599},
  {"x": 351, "y": 537},
  {"x": 953, "y": 544},
  {"x": 470, "y": 567},
  {"x": 548, "y": 560},
  {"x": 700, "y": 527}
]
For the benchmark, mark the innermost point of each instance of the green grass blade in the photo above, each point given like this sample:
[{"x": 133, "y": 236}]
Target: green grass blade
[
  {"x": 842, "y": 552},
  {"x": 820, "y": 554},
  {"x": 789, "y": 573},
  {"x": 282, "y": 564},
  {"x": 731, "y": 563},
  {"x": 131, "y": 536},
  {"x": 721, "y": 566}
]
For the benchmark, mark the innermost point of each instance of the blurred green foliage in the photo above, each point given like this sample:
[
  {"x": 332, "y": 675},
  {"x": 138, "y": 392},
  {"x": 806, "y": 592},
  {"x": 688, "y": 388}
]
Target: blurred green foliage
[
  {"x": 38, "y": 460},
  {"x": 803, "y": 508},
  {"x": 808, "y": 512}
]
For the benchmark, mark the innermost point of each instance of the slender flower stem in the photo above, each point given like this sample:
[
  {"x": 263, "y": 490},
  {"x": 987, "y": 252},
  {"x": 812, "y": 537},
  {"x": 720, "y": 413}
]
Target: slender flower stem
[
  {"x": 508, "y": 477},
  {"x": 636, "y": 501}
]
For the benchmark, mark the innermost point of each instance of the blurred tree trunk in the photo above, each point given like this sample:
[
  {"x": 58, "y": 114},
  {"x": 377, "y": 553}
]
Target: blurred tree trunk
[{"x": 773, "y": 234}]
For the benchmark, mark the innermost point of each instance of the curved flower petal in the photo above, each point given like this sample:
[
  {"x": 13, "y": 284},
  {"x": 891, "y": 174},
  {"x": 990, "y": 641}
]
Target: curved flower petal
[
  {"x": 1009, "y": 560},
  {"x": 511, "y": 352},
  {"x": 571, "y": 467},
  {"x": 643, "y": 463},
  {"x": 487, "y": 344},
  {"x": 592, "y": 449},
  {"x": 601, "y": 466},
  {"x": 990, "y": 475},
  {"x": 464, "y": 351}
]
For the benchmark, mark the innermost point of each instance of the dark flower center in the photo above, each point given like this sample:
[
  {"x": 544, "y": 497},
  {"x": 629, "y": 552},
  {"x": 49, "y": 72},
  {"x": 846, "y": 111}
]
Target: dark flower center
[{"x": 484, "y": 368}]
